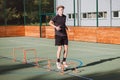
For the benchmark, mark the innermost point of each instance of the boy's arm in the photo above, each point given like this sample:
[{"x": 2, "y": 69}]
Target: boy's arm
[
  {"x": 68, "y": 28},
  {"x": 51, "y": 23}
]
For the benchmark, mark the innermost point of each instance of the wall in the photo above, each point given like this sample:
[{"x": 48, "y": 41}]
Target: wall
[
  {"x": 49, "y": 32},
  {"x": 34, "y": 31},
  {"x": 76, "y": 33},
  {"x": 12, "y": 31},
  {"x": 85, "y": 34},
  {"x": 2, "y": 31},
  {"x": 90, "y": 34},
  {"x": 108, "y": 35}
]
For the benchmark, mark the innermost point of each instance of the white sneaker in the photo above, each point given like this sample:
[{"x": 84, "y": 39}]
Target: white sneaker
[
  {"x": 65, "y": 64},
  {"x": 58, "y": 64}
]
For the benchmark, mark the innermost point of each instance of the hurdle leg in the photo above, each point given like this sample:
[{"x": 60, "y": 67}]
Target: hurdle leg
[
  {"x": 13, "y": 53},
  {"x": 24, "y": 59},
  {"x": 36, "y": 59},
  {"x": 49, "y": 65},
  {"x": 14, "y": 56},
  {"x": 62, "y": 69},
  {"x": 75, "y": 68}
]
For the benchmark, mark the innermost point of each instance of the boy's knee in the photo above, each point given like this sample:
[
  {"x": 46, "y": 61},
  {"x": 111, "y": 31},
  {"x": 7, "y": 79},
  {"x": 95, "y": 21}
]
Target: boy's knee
[{"x": 66, "y": 50}]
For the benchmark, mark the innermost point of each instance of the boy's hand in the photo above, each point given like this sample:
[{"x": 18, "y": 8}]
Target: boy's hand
[{"x": 58, "y": 28}]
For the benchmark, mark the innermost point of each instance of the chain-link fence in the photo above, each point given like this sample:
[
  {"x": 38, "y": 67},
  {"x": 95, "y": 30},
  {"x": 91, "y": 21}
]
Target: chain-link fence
[
  {"x": 26, "y": 12},
  {"x": 79, "y": 12}
]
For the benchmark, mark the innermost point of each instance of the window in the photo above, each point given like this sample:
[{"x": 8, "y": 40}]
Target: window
[
  {"x": 89, "y": 15},
  {"x": 69, "y": 16},
  {"x": 116, "y": 14},
  {"x": 100, "y": 15},
  {"x": 92, "y": 15},
  {"x": 105, "y": 15},
  {"x": 84, "y": 15},
  {"x": 72, "y": 16}
]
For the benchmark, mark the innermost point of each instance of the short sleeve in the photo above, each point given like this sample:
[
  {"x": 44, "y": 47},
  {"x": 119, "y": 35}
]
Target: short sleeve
[
  {"x": 54, "y": 19},
  {"x": 65, "y": 21}
]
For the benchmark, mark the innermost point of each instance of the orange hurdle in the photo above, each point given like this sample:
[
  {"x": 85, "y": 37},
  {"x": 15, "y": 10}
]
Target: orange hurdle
[
  {"x": 62, "y": 66},
  {"x": 35, "y": 54},
  {"x": 13, "y": 53},
  {"x": 24, "y": 52}
]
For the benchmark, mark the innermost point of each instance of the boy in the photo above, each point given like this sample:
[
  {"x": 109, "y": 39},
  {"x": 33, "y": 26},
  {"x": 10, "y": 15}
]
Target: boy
[{"x": 61, "y": 39}]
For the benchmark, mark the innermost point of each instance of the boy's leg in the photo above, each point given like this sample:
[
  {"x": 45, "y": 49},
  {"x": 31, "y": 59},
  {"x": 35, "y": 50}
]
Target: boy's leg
[
  {"x": 65, "y": 51},
  {"x": 65, "y": 55},
  {"x": 58, "y": 57},
  {"x": 59, "y": 53}
]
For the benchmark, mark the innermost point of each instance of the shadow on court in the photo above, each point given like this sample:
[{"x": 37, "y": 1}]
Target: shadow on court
[
  {"x": 96, "y": 76},
  {"x": 8, "y": 68},
  {"x": 113, "y": 75},
  {"x": 92, "y": 64},
  {"x": 57, "y": 77},
  {"x": 99, "y": 62}
]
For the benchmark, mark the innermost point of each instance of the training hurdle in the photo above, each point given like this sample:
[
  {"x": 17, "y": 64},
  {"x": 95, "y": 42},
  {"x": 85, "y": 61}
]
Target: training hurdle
[
  {"x": 41, "y": 59},
  {"x": 74, "y": 66},
  {"x": 13, "y": 52},
  {"x": 25, "y": 57},
  {"x": 74, "y": 69},
  {"x": 24, "y": 52},
  {"x": 49, "y": 61},
  {"x": 62, "y": 66}
]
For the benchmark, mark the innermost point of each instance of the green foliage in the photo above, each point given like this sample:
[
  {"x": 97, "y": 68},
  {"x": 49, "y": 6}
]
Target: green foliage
[{"x": 14, "y": 12}]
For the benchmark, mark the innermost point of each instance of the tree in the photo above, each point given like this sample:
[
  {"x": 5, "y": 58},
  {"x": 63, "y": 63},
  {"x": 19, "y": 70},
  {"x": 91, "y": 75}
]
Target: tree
[
  {"x": 14, "y": 11},
  {"x": 2, "y": 12}
]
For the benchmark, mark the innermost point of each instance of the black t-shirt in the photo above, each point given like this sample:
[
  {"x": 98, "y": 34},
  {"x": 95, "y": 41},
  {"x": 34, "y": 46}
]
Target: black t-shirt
[{"x": 60, "y": 21}]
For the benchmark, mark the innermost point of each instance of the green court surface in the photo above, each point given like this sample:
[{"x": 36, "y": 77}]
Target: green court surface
[{"x": 94, "y": 61}]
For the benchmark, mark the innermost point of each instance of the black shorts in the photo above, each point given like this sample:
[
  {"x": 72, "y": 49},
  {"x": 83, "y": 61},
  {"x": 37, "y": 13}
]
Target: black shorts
[{"x": 61, "y": 40}]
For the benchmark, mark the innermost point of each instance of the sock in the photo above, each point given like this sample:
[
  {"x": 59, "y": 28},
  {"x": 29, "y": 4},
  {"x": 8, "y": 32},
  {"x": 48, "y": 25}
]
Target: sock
[
  {"x": 58, "y": 60},
  {"x": 64, "y": 59}
]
